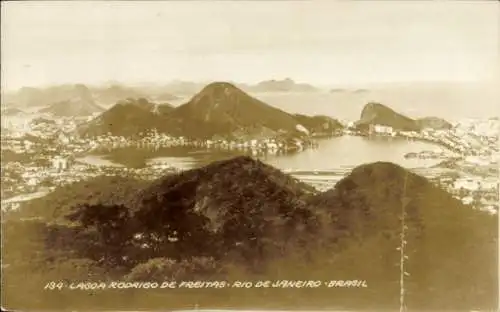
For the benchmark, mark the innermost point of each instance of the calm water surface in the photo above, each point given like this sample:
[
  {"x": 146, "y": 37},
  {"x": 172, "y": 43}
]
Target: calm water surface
[
  {"x": 351, "y": 151},
  {"x": 341, "y": 152}
]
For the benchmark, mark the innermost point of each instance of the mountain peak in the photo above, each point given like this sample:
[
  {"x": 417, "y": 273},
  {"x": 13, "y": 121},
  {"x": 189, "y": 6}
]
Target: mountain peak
[
  {"x": 386, "y": 165},
  {"x": 219, "y": 89},
  {"x": 220, "y": 84},
  {"x": 128, "y": 118},
  {"x": 375, "y": 104},
  {"x": 225, "y": 181},
  {"x": 370, "y": 106},
  {"x": 238, "y": 162},
  {"x": 223, "y": 109},
  {"x": 381, "y": 169},
  {"x": 377, "y": 113}
]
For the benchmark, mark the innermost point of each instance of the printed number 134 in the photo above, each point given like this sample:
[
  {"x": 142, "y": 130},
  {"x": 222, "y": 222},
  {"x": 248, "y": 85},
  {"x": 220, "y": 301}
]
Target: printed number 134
[{"x": 54, "y": 285}]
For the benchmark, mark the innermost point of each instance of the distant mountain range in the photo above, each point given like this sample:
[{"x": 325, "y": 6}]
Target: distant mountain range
[
  {"x": 80, "y": 94},
  {"x": 241, "y": 214},
  {"x": 72, "y": 108},
  {"x": 220, "y": 109},
  {"x": 114, "y": 92},
  {"x": 82, "y": 104},
  {"x": 424, "y": 99},
  {"x": 379, "y": 114},
  {"x": 32, "y": 97},
  {"x": 285, "y": 85}
]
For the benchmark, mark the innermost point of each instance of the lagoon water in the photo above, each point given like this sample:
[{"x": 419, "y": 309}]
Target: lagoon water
[
  {"x": 98, "y": 160},
  {"x": 351, "y": 151},
  {"x": 331, "y": 154},
  {"x": 341, "y": 152}
]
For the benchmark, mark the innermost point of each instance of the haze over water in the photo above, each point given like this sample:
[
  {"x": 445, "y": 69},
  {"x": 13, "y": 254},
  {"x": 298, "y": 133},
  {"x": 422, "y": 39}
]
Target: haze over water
[{"x": 451, "y": 102}]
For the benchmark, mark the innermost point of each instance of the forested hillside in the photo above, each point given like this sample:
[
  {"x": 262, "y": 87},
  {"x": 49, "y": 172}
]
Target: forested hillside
[{"x": 240, "y": 219}]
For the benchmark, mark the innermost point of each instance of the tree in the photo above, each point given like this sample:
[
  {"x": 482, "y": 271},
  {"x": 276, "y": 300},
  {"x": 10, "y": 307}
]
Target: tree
[{"x": 112, "y": 228}]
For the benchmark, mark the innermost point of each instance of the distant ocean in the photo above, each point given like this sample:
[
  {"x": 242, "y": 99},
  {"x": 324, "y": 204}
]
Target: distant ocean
[
  {"x": 451, "y": 105},
  {"x": 450, "y": 101}
]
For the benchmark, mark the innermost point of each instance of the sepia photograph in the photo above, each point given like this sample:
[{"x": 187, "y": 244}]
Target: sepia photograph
[{"x": 250, "y": 155}]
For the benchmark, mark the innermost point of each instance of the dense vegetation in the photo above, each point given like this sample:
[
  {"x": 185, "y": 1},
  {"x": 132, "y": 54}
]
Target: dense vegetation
[
  {"x": 240, "y": 219},
  {"x": 129, "y": 118}
]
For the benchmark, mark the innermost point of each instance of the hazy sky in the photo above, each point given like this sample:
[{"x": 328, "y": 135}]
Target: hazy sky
[{"x": 321, "y": 42}]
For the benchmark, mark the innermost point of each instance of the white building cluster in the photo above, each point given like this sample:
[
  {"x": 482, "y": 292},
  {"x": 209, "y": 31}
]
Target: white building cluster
[{"x": 381, "y": 129}]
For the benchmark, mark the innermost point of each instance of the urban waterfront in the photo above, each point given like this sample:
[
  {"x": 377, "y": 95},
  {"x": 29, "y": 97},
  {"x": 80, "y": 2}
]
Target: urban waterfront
[
  {"x": 330, "y": 153},
  {"x": 323, "y": 165},
  {"x": 469, "y": 150}
]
